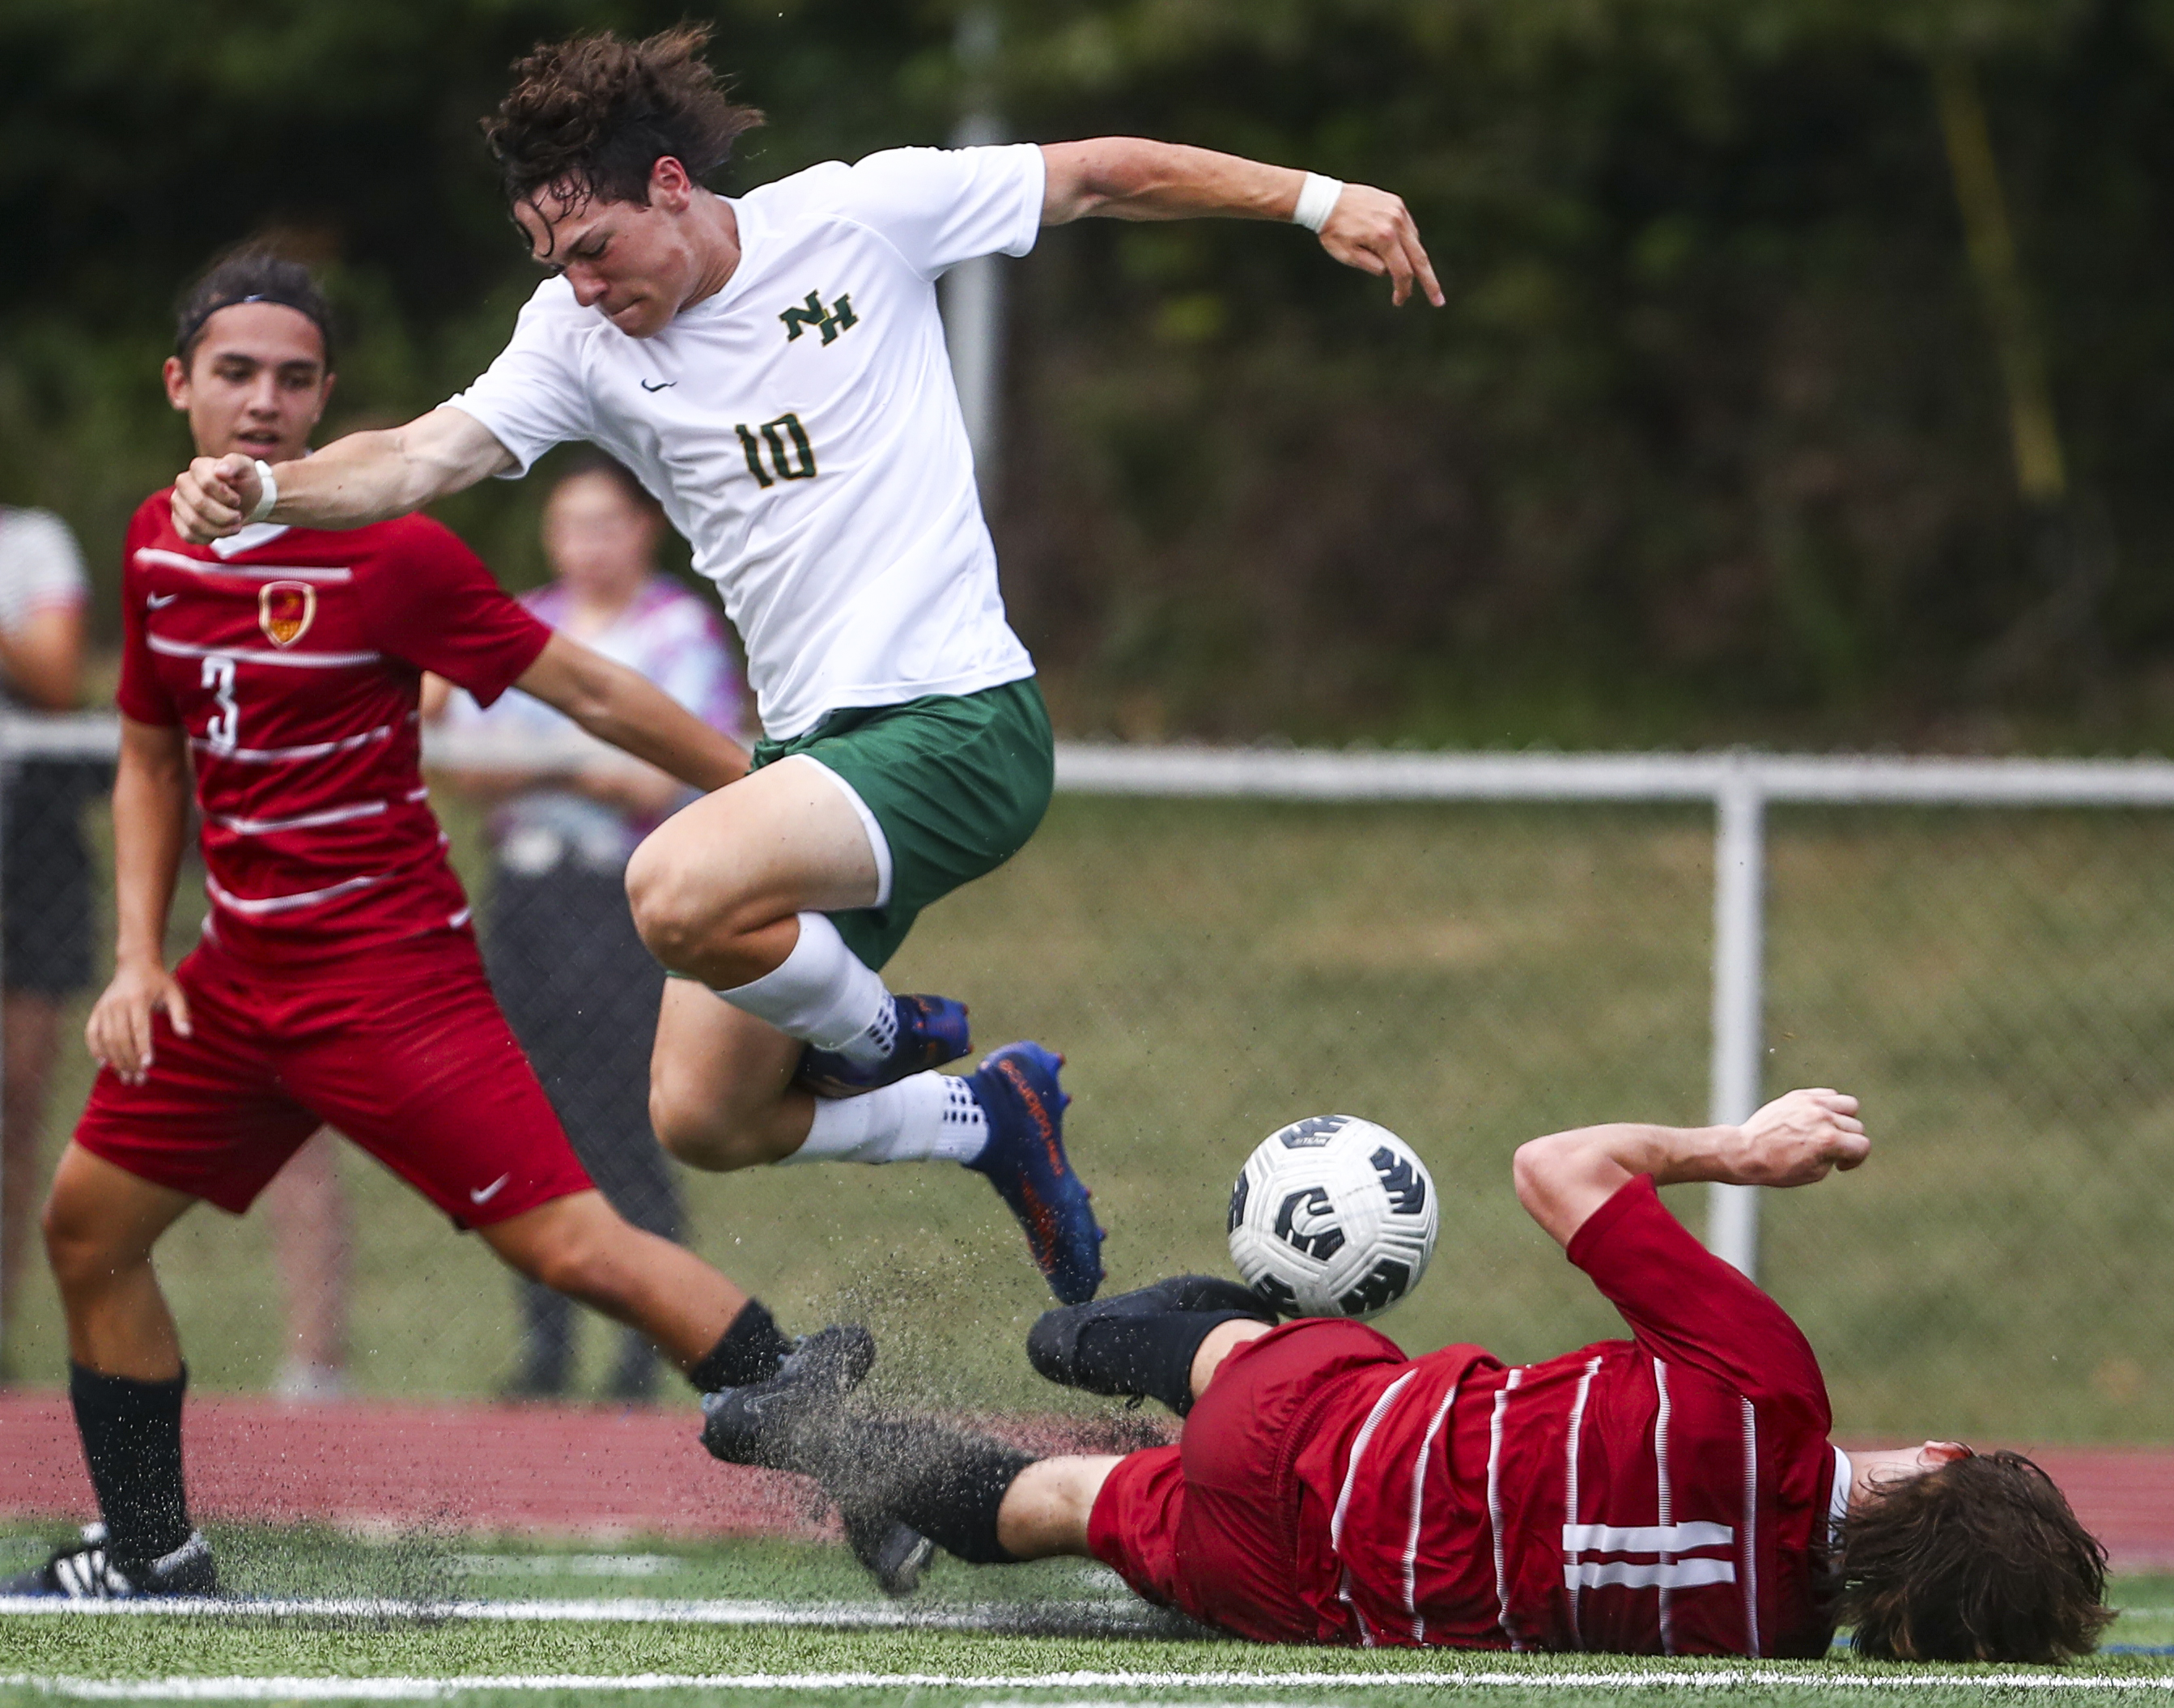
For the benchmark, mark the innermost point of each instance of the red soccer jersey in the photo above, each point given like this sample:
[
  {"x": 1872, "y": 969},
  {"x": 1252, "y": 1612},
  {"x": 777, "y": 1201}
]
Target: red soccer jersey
[
  {"x": 1667, "y": 1494},
  {"x": 293, "y": 658}
]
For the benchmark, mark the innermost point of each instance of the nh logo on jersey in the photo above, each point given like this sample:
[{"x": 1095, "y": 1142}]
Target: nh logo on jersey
[
  {"x": 830, "y": 321},
  {"x": 285, "y": 610}
]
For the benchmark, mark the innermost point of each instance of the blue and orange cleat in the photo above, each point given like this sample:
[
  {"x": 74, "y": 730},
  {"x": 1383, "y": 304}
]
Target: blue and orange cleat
[
  {"x": 1017, "y": 1089},
  {"x": 931, "y": 1030}
]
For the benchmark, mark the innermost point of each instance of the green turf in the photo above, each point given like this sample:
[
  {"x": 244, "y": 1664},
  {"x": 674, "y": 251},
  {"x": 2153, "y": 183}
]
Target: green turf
[
  {"x": 120, "y": 1650},
  {"x": 1997, "y": 985}
]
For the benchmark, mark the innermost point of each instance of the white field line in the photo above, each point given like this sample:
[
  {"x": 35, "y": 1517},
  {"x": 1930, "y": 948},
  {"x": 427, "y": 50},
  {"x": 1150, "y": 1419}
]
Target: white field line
[
  {"x": 417, "y": 1689},
  {"x": 631, "y": 1610}
]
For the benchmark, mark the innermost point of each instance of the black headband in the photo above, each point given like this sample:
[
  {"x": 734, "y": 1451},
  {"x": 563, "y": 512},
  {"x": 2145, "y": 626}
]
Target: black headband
[{"x": 192, "y": 324}]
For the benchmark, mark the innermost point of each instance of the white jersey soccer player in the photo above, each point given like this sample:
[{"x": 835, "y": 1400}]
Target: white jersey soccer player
[
  {"x": 801, "y": 429},
  {"x": 773, "y": 368}
]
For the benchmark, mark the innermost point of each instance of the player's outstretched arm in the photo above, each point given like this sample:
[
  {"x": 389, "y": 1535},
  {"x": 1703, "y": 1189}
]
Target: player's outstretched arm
[
  {"x": 150, "y": 818},
  {"x": 1794, "y": 1140},
  {"x": 625, "y": 708},
  {"x": 363, "y": 478},
  {"x": 1132, "y": 178}
]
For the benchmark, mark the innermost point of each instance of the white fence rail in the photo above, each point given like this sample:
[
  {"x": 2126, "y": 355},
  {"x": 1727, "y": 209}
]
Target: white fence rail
[{"x": 1740, "y": 784}]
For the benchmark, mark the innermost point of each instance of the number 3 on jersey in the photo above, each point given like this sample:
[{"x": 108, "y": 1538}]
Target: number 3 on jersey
[{"x": 225, "y": 724}]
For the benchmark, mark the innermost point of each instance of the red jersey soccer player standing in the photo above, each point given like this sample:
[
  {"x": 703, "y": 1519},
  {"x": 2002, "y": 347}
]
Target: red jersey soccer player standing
[
  {"x": 337, "y": 981},
  {"x": 1673, "y": 1494}
]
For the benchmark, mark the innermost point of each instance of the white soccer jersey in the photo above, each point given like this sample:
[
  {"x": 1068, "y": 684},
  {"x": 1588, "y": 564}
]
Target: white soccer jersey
[{"x": 801, "y": 428}]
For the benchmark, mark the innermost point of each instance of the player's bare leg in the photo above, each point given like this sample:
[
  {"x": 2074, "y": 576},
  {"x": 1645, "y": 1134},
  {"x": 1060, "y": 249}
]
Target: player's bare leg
[
  {"x": 737, "y": 892},
  {"x": 580, "y": 1245},
  {"x": 100, "y": 1224},
  {"x": 125, "y": 1381},
  {"x": 720, "y": 1090},
  {"x": 1224, "y": 1340},
  {"x": 717, "y": 889},
  {"x": 1045, "y": 1511},
  {"x": 735, "y": 887}
]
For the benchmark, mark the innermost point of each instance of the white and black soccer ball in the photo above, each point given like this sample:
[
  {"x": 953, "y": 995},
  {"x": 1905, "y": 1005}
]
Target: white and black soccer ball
[{"x": 1333, "y": 1216}]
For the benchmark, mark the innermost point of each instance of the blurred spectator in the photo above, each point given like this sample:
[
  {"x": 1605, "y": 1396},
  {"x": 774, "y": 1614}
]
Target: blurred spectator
[
  {"x": 312, "y": 1242},
  {"x": 45, "y": 875},
  {"x": 581, "y": 991}
]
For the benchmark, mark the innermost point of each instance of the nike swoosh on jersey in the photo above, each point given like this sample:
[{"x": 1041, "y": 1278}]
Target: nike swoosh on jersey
[
  {"x": 660, "y": 386},
  {"x": 158, "y": 602},
  {"x": 484, "y": 1195}
]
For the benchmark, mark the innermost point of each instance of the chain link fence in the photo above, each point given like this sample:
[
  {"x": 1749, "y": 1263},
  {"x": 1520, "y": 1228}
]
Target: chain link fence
[{"x": 1471, "y": 950}]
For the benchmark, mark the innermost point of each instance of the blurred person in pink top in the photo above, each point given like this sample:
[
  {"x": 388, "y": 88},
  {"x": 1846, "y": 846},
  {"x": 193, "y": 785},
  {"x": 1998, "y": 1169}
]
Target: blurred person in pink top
[{"x": 579, "y": 987}]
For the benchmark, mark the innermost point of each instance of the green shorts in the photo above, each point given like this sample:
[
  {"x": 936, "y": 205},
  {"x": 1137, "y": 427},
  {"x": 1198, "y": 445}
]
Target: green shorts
[{"x": 957, "y": 783}]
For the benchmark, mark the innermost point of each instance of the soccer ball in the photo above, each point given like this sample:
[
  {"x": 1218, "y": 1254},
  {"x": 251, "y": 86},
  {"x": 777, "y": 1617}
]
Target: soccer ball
[{"x": 1333, "y": 1216}]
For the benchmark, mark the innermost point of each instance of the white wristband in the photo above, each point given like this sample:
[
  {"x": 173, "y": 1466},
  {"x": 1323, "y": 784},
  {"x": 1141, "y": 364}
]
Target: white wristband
[
  {"x": 1316, "y": 201},
  {"x": 270, "y": 496}
]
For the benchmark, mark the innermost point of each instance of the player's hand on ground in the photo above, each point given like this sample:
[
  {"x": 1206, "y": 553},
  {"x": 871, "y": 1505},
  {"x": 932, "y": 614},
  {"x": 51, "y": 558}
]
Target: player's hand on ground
[
  {"x": 119, "y": 1030},
  {"x": 212, "y": 494},
  {"x": 1374, "y": 232},
  {"x": 1797, "y": 1139}
]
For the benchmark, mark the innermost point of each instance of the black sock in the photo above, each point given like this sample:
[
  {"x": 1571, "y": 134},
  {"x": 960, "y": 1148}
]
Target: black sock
[
  {"x": 946, "y": 1482},
  {"x": 132, "y": 1441},
  {"x": 748, "y": 1351},
  {"x": 1151, "y": 1355}
]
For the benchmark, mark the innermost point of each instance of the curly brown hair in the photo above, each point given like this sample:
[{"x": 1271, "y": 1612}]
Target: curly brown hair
[
  {"x": 589, "y": 118},
  {"x": 1979, "y": 1560}
]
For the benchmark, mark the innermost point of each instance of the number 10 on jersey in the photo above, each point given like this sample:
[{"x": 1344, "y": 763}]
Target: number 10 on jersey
[{"x": 767, "y": 445}]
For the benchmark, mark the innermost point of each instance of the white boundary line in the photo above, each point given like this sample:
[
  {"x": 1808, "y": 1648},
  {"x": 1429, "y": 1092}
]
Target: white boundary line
[
  {"x": 1115, "y": 1618},
  {"x": 404, "y": 1689}
]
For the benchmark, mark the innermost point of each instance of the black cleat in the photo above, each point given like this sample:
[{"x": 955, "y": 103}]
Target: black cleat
[
  {"x": 758, "y": 1423},
  {"x": 87, "y": 1572},
  {"x": 1053, "y": 1344},
  {"x": 895, "y": 1554}
]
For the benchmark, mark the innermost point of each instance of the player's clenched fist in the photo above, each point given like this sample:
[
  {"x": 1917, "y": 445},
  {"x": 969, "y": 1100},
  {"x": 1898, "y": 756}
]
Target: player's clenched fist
[
  {"x": 1374, "y": 232},
  {"x": 119, "y": 1030},
  {"x": 213, "y": 495},
  {"x": 1797, "y": 1139}
]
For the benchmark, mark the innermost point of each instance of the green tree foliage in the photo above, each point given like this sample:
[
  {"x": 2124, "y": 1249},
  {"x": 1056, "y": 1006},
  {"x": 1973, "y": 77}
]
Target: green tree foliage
[{"x": 1711, "y": 440}]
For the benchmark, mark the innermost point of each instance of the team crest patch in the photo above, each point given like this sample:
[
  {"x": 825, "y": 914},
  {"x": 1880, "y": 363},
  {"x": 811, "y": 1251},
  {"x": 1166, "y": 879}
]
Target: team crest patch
[{"x": 285, "y": 610}]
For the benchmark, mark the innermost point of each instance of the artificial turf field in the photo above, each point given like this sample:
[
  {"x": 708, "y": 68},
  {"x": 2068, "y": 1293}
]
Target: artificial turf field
[{"x": 430, "y": 1617}]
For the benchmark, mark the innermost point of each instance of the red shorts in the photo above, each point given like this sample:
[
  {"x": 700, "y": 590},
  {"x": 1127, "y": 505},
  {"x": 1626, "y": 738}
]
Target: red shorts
[
  {"x": 1214, "y": 1525},
  {"x": 403, "y": 1050}
]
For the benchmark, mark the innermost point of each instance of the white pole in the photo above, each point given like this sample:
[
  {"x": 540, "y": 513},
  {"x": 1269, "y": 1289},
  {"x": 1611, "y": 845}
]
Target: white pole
[
  {"x": 1739, "y": 875},
  {"x": 974, "y": 290}
]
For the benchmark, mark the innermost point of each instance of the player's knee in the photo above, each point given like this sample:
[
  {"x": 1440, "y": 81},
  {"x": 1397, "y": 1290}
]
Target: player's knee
[
  {"x": 581, "y": 1265},
  {"x": 77, "y": 1250},
  {"x": 698, "y": 1133},
  {"x": 671, "y": 910},
  {"x": 686, "y": 904}
]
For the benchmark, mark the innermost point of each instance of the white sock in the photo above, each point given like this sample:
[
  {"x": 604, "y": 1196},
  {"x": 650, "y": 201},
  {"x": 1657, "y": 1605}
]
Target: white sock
[
  {"x": 925, "y": 1118},
  {"x": 826, "y": 994}
]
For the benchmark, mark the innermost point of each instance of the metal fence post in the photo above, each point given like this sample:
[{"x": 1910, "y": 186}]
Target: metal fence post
[
  {"x": 1739, "y": 891},
  {"x": 973, "y": 291}
]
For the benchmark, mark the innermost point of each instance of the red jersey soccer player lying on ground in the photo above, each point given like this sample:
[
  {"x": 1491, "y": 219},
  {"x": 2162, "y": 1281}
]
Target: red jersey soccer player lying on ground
[
  {"x": 337, "y": 981},
  {"x": 1675, "y": 1493}
]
